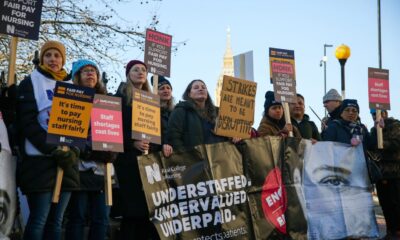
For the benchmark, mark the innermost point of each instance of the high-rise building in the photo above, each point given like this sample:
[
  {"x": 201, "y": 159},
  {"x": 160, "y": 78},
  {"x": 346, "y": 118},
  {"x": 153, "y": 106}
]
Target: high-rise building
[{"x": 227, "y": 67}]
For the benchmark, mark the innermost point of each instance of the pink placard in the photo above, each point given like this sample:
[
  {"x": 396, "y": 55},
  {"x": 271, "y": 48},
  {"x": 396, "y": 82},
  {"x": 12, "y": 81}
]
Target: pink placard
[{"x": 106, "y": 126}]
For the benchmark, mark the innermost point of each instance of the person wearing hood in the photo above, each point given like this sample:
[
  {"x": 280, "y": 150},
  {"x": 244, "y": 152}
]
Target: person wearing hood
[
  {"x": 273, "y": 122},
  {"x": 37, "y": 170},
  {"x": 167, "y": 103},
  {"x": 332, "y": 101},
  {"x": 135, "y": 223},
  {"x": 193, "y": 120},
  {"x": 307, "y": 128},
  {"x": 91, "y": 194}
]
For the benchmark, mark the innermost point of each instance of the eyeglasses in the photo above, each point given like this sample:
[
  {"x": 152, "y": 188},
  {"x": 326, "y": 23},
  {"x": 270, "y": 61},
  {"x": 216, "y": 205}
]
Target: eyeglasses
[{"x": 90, "y": 70}]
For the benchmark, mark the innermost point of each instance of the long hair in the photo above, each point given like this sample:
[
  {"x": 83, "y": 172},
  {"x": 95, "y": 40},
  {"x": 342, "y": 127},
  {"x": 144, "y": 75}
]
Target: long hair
[
  {"x": 169, "y": 105},
  {"x": 210, "y": 109},
  {"x": 128, "y": 88},
  {"x": 99, "y": 87}
]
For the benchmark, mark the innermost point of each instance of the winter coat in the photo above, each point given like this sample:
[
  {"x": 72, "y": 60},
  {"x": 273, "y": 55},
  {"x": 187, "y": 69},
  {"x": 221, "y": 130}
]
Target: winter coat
[
  {"x": 342, "y": 131},
  {"x": 131, "y": 194},
  {"x": 390, "y": 155},
  {"x": 187, "y": 129},
  {"x": 307, "y": 128},
  {"x": 269, "y": 127},
  {"x": 37, "y": 169}
]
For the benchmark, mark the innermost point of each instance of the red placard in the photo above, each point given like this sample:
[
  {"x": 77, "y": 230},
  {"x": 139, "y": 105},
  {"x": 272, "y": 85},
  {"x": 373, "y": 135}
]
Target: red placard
[{"x": 378, "y": 89}]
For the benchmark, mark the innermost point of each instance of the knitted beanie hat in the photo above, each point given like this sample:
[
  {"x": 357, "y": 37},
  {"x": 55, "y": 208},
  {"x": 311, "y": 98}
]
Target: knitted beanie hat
[
  {"x": 53, "y": 45},
  {"x": 161, "y": 81},
  {"x": 131, "y": 64},
  {"x": 78, "y": 65},
  {"x": 349, "y": 103},
  {"x": 270, "y": 101},
  {"x": 332, "y": 95}
]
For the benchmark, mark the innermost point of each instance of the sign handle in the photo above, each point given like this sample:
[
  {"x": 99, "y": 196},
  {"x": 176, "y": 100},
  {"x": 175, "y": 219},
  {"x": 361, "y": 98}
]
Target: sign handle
[
  {"x": 379, "y": 129},
  {"x": 287, "y": 116},
  {"x": 107, "y": 184},
  {"x": 155, "y": 83},
  {"x": 59, "y": 178},
  {"x": 12, "y": 60}
]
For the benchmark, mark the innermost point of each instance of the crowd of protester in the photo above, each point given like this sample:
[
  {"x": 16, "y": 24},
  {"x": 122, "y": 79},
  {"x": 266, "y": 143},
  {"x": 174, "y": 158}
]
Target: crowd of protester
[{"x": 185, "y": 125}]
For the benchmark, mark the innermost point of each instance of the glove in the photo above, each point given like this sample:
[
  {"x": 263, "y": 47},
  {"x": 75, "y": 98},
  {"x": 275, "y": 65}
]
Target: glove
[
  {"x": 65, "y": 159},
  {"x": 103, "y": 157}
]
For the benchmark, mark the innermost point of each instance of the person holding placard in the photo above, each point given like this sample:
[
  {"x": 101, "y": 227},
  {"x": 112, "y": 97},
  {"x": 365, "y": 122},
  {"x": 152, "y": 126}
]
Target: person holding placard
[
  {"x": 135, "y": 222},
  {"x": 167, "y": 105},
  {"x": 91, "y": 197},
  {"x": 37, "y": 170},
  {"x": 193, "y": 121},
  {"x": 273, "y": 122}
]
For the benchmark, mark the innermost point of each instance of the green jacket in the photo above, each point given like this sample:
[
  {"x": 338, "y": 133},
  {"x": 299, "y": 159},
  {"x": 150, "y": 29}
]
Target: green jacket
[{"x": 186, "y": 128}]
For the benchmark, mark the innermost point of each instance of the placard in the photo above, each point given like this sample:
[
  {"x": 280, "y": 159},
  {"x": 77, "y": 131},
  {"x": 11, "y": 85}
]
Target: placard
[
  {"x": 282, "y": 72},
  {"x": 157, "y": 52},
  {"x": 378, "y": 89},
  {"x": 106, "y": 124},
  {"x": 21, "y": 18},
  {"x": 70, "y": 115},
  {"x": 236, "y": 112},
  {"x": 146, "y": 123}
]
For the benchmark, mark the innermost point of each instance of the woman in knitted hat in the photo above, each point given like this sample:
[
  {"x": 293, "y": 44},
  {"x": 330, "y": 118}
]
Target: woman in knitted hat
[
  {"x": 348, "y": 128},
  {"x": 273, "y": 122},
  {"x": 135, "y": 222},
  {"x": 91, "y": 194},
  {"x": 167, "y": 103},
  {"x": 37, "y": 170}
]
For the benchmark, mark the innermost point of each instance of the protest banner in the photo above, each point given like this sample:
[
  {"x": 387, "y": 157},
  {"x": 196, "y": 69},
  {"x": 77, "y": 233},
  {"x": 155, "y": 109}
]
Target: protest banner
[
  {"x": 379, "y": 95},
  {"x": 8, "y": 186},
  {"x": 21, "y": 18},
  {"x": 157, "y": 52},
  {"x": 146, "y": 122},
  {"x": 283, "y": 76},
  {"x": 107, "y": 134},
  {"x": 236, "y": 112},
  {"x": 217, "y": 192},
  {"x": 243, "y": 66},
  {"x": 378, "y": 89},
  {"x": 69, "y": 121}
]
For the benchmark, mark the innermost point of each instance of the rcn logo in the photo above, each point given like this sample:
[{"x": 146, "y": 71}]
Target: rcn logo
[
  {"x": 10, "y": 29},
  {"x": 153, "y": 173}
]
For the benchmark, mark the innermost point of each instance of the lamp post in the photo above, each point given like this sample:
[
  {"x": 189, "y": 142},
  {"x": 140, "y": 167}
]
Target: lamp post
[
  {"x": 342, "y": 54},
  {"x": 324, "y": 60}
]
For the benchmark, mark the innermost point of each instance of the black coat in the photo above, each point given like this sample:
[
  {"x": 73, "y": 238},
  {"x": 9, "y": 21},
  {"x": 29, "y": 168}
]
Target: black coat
[
  {"x": 131, "y": 194},
  {"x": 37, "y": 173},
  {"x": 307, "y": 128}
]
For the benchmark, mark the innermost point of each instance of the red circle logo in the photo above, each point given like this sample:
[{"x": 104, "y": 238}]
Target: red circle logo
[{"x": 273, "y": 200}]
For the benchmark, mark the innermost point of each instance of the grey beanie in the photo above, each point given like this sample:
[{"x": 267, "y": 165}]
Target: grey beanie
[{"x": 332, "y": 95}]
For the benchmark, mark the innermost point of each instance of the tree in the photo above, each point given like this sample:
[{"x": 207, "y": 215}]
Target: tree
[{"x": 97, "y": 33}]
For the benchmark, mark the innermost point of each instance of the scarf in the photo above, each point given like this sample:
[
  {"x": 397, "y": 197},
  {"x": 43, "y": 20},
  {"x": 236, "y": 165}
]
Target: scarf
[{"x": 58, "y": 76}]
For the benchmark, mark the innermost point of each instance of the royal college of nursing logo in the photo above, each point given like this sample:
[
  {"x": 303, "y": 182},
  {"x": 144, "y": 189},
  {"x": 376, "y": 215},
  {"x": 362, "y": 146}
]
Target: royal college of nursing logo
[
  {"x": 153, "y": 173},
  {"x": 10, "y": 29}
]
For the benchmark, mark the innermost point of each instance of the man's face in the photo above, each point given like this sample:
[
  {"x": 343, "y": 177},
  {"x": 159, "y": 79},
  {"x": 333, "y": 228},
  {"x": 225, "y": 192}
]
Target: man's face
[
  {"x": 297, "y": 108},
  {"x": 331, "y": 105}
]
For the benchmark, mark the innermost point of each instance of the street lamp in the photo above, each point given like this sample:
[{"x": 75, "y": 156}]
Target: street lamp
[{"x": 342, "y": 54}]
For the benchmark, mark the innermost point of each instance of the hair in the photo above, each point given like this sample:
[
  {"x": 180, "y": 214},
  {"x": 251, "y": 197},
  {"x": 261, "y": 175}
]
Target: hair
[
  {"x": 170, "y": 104},
  {"x": 211, "y": 111},
  {"x": 300, "y": 96},
  {"x": 128, "y": 88},
  {"x": 99, "y": 87}
]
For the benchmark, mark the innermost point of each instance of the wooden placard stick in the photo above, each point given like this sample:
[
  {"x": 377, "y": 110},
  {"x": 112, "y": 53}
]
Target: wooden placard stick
[
  {"x": 108, "y": 184},
  {"x": 12, "y": 61},
  {"x": 379, "y": 129},
  {"x": 59, "y": 178},
  {"x": 287, "y": 116}
]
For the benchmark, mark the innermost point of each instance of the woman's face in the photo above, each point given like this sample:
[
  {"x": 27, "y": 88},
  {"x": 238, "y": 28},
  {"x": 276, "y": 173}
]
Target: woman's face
[
  {"x": 88, "y": 75},
  {"x": 138, "y": 75},
  {"x": 350, "y": 114},
  {"x": 52, "y": 58},
  {"x": 165, "y": 92},
  {"x": 198, "y": 92},
  {"x": 275, "y": 112}
]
